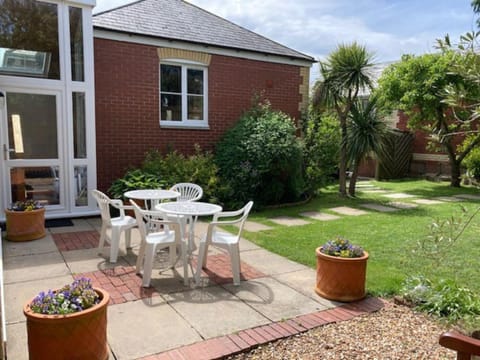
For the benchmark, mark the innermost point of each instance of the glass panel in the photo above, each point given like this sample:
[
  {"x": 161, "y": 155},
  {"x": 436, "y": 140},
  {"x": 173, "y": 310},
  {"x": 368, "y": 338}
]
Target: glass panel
[
  {"x": 76, "y": 43},
  {"x": 171, "y": 107},
  {"x": 195, "y": 107},
  {"x": 171, "y": 78},
  {"x": 32, "y": 126},
  {"x": 195, "y": 81},
  {"x": 79, "y": 129},
  {"x": 81, "y": 192},
  {"x": 29, "y": 39},
  {"x": 39, "y": 183}
]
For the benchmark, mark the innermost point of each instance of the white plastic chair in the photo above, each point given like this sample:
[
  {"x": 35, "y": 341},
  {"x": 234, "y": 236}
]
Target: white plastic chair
[
  {"x": 116, "y": 224},
  {"x": 157, "y": 233},
  {"x": 188, "y": 191},
  {"x": 227, "y": 241}
]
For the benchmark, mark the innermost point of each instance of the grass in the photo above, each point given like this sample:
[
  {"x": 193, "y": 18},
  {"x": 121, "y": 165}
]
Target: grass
[{"x": 390, "y": 238}]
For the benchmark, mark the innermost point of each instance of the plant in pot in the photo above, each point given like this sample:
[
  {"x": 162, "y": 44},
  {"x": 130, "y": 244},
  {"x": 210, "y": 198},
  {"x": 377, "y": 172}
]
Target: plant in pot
[
  {"x": 341, "y": 270},
  {"x": 68, "y": 323},
  {"x": 25, "y": 221}
]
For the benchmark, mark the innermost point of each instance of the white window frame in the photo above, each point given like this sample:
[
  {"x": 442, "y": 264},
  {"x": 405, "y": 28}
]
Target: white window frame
[{"x": 185, "y": 122}]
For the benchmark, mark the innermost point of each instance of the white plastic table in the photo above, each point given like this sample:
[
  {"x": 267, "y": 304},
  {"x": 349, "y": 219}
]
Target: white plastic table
[
  {"x": 153, "y": 195},
  {"x": 187, "y": 211}
]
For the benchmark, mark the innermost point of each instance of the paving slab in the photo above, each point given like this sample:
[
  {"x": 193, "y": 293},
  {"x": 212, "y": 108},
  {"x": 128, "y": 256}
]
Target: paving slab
[
  {"x": 374, "y": 191},
  {"x": 253, "y": 226},
  {"x": 378, "y": 207},
  {"x": 39, "y": 246},
  {"x": 468, "y": 196},
  {"x": 287, "y": 302},
  {"x": 448, "y": 198},
  {"x": 34, "y": 267},
  {"x": 17, "y": 341},
  {"x": 402, "y": 205},
  {"x": 215, "y": 311},
  {"x": 304, "y": 281},
  {"x": 289, "y": 221},
  {"x": 270, "y": 263},
  {"x": 346, "y": 210},
  {"x": 427, "y": 202},
  {"x": 399, "y": 196},
  {"x": 320, "y": 216},
  {"x": 137, "y": 329},
  {"x": 78, "y": 225},
  {"x": 81, "y": 261}
]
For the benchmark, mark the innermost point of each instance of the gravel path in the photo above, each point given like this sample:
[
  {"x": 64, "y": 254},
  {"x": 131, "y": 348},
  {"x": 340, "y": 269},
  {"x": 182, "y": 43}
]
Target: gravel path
[{"x": 394, "y": 332}]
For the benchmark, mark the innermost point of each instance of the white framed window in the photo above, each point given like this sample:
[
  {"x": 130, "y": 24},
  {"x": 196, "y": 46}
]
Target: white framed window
[{"x": 183, "y": 95}]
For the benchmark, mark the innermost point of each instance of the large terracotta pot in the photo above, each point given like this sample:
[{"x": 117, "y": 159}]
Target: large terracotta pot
[
  {"x": 81, "y": 335},
  {"x": 25, "y": 225},
  {"x": 341, "y": 279}
]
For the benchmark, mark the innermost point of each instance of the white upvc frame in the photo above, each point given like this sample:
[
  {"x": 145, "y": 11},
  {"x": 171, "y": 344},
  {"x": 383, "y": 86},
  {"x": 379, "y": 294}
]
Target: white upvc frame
[{"x": 185, "y": 122}]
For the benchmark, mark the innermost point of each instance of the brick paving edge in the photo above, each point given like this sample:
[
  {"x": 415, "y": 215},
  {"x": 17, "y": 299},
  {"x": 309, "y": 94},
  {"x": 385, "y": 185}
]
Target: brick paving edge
[{"x": 226, "y": 345}]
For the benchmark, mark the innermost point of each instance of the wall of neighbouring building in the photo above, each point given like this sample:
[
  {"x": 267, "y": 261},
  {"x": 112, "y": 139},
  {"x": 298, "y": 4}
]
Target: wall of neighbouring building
[{"x": 127, "y": 102}]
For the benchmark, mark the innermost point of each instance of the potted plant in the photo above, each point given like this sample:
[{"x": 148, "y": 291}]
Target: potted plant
[
  {"x": 25, "y": 221},
  {"x": 341, "y": 270},
  {"x": 69, "y": 323}
]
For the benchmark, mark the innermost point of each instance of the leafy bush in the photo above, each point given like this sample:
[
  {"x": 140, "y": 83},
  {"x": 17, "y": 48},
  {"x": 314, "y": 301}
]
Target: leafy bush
[
  {"x": 174, "y": 168},
  {"x": 261, "y": 159},
  {"x": 443, "y": 299},
  {"x": 472, "y": 160},
  {"x": 322, "y": 146},
  {"x": 134, "y": 180}
]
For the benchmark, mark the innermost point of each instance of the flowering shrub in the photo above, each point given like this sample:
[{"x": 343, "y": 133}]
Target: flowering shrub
[
  {"x": 69, "y": 299},
  {"x": 342, "y": 248},
  {"x": 25, "y": 205}
]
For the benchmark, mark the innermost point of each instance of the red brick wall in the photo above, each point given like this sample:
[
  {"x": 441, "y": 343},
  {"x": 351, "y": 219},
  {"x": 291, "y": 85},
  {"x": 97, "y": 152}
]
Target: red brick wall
[{"x": 127, "y": 108}]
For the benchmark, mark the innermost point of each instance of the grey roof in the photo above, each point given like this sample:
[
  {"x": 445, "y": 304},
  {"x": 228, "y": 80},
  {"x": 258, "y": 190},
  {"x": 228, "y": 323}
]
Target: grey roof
[{"x": 182, "y": 21}]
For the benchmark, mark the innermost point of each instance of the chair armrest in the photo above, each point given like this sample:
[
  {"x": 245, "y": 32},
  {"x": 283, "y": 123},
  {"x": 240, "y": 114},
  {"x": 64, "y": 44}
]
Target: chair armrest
[
  {"x": 460, "y": 343},
  {"x": 118, "y": 204},
  {"x": 227, "y": 214}
]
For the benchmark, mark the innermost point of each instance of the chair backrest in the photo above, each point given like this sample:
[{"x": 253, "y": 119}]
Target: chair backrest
[
  {"x": 103, "y": 202},
  {"x": 149, "y": 220},
  {"x": 239, "y": 218},
  {"x": 245, "y": 211},
  {"x": 188, "y": 191}
]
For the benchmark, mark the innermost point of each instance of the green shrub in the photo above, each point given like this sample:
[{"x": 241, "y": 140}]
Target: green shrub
[
  {"x": 322, "y": 146},
  {"x": 174, "y": 168},
  {"x": 260, "y": 159},
  {"x": 472, "y": 160},
  {"x": 134, "y": 180}
]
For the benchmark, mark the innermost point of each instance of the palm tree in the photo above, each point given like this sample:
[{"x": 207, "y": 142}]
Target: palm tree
[
  {"x": 344, "y": 74},
  {"x": 366, "y": 135}
]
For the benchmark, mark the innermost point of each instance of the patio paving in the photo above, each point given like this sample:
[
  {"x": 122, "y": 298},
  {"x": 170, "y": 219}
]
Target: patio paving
[{"x": 169, "y": 320}]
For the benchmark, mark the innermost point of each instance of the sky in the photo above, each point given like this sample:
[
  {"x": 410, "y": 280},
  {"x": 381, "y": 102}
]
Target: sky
[{"x": 388, "y": 28}]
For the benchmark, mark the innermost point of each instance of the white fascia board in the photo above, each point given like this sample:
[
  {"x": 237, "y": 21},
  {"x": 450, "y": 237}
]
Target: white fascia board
[
  {"x": 90, "y": 3},
  {"x": 211, "y": 49}
]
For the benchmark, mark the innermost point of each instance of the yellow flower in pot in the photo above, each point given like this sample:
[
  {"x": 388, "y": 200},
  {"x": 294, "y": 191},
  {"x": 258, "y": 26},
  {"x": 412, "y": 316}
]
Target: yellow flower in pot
[
  {"x": 25, "y": 221},
  {"x": 341, "y": 270}
]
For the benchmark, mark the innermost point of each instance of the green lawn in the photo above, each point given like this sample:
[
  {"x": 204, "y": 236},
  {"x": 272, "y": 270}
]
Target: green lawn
[{"x": 390, "y": 238}]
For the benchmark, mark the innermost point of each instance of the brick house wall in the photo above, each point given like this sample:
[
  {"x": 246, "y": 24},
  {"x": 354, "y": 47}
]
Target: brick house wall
[{"x": 127, "y": 103}]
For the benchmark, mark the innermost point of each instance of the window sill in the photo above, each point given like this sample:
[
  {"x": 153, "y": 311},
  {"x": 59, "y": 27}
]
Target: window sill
[{"x": 184, "y": 126}]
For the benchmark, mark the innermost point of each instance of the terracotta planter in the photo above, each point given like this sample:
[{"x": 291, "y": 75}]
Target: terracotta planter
[
  {"x": 81, "y": 335},
  {"x": 25, "y": 225},
  {"x": 341, "y": 279}
]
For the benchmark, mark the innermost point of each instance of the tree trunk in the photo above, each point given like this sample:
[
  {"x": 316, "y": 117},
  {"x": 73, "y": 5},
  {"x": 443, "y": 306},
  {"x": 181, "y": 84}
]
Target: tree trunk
[
  {"x": 455, "y": 174},
  {"x": 342, "y": 168},
  {"x": 353, "y": 179}
]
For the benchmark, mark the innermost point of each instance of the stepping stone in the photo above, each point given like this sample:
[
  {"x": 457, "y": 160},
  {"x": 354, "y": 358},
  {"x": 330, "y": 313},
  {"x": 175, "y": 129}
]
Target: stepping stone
[
  {"x": 468, "y": 196},
  {"x": 379, "y": 207},
  {"x": 373, "y": 191},
  {"x": 427, "y": 201},
  {"x": 320, "y": 216},
  {"x": 402, "y": 205},
  {"x": 289, "y": 221},
  {"x": 364, "y": 185},
  {"x": 345, "y": 210},
  {"x": 448, "y": 198},
  {"x": 399, "y": 196},
  {"x": 255, "y": 227}
]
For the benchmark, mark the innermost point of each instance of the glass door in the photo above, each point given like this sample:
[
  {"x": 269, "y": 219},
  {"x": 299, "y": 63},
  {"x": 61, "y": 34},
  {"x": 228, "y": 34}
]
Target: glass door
[{"x": 31, "y": 147}]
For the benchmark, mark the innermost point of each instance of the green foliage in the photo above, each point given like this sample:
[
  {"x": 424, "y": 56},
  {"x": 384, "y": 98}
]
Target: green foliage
[
  {"x": 134, "y": 180},
  {"x": 472, "y": 161},
  {"x": 174, "y": 167},
  {"x": 444, "y": 299},
  {"x": 322, "y": 145},
  {"x": 260, "y": 158}
]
